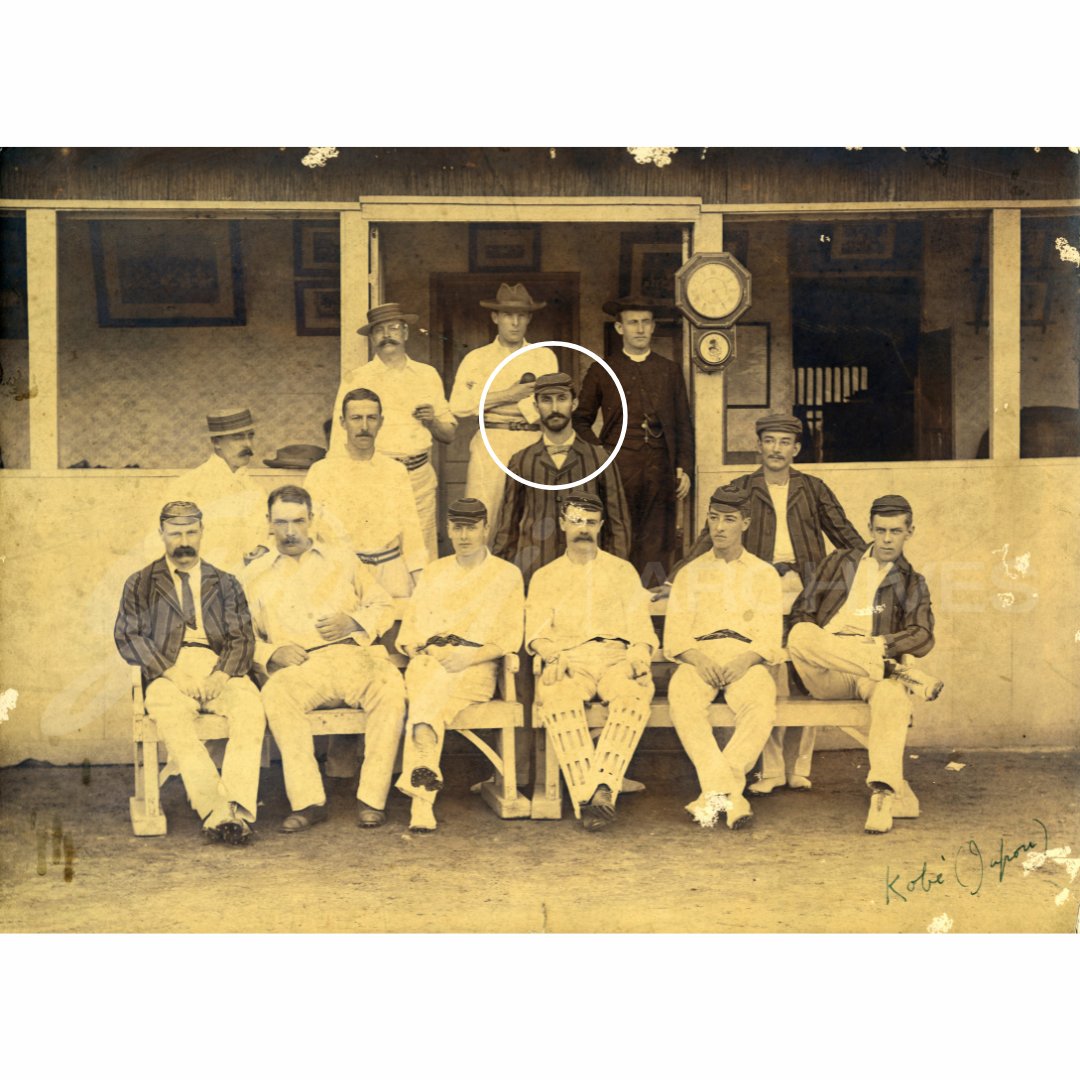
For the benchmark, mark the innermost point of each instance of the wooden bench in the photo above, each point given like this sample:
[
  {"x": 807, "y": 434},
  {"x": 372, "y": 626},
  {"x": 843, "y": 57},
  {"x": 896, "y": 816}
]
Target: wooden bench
[
  {"x": 503, "y": 715},
  {"x": 851, "y": 717}
]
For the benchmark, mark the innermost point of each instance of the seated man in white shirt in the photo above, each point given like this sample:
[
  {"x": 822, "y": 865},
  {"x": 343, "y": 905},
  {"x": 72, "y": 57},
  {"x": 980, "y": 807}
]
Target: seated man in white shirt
[
  {"x": 723, "y": 624},
  {"x": 465, "y": 615},
  {"x": 317, "y": 612},
  {"x": 587, "y": 618}
]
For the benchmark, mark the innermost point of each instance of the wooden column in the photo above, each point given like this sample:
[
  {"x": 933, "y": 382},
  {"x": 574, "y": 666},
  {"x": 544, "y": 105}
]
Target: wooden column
[
  {"x": 1005, "y": 334},
  {"x": 41, "y": 281},
  {"x": 356, "y": 286},
  {"x": 709, "y": 419}
]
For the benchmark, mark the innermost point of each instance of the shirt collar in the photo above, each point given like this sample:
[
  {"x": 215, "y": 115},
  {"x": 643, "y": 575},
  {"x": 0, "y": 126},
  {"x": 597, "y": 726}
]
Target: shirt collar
[
  {"x": 174, "y": 569},
  {"x": 316, "y": 547},
  {"x": 558, "y": 447}
]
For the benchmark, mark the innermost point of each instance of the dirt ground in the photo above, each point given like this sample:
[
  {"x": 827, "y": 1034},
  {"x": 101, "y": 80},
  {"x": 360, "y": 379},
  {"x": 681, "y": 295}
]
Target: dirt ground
[{"x": 69, "y": 862}]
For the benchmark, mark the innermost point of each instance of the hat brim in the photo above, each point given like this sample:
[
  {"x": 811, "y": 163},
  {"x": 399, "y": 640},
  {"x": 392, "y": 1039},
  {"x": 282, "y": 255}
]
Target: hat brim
[
  {"x": 407, "y": 318},
  {"x": 513, "y": 308},
  {"x": 660, "y": 311},
  {"x": 243, "y": 429}
]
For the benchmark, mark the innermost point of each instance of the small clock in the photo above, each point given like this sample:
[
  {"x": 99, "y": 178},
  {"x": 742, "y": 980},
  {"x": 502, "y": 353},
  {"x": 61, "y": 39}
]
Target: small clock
[
  {"x": 714, "y": 349},
  {"x": 712, "y": 289}
]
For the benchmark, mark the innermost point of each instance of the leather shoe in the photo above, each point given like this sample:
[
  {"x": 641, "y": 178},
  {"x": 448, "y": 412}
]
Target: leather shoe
[
  {"x": 299, "y": 820},
  {"x": 367, "y": 817},
  {"x": 799, "y": 783},
  {"x": 236, "y": 832},
  {"x": 766, "y": 785},
  {"x": 599, "y": 811},
  {"x": 739, "y": 814},
  {"x": 879, "y": 819}
]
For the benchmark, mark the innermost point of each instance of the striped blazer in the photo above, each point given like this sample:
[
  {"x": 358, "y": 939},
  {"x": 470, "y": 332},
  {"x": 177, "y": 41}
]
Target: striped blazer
[
  {"x": 527, "y": 532},
  {"x": 902, "y": 613},
  {"x": 149, "y": 627},
  {"x": 812, "y": 510}
]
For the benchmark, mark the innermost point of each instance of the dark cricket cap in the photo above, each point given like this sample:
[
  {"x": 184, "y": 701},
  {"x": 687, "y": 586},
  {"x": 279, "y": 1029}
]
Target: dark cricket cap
[
  {"x": 582, "y": 499},
  {"x": 890, "y": 504},
  {"x": 730, "y": 496},
  {"x": 558, "y": 380},
  {"x": 180, "y": 513},
  {"x": 467, "y": 510},
  {"x": 785, "y": 422}
]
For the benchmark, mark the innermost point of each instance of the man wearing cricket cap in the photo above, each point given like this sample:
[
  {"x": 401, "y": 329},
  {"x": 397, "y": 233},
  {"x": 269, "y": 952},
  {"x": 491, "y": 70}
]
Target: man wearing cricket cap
[
  {"x": 233, "y": 502},
  {"x": 465, "y": 615},
  {"x": 510, "y": 416},
  {"x": 186, "y": 624},
  {"x": 414, "y": 407},
  {"x": 723, "y": 625},
  {"x": 791, "y": 513},
  {"x": 858, "y": 615}
]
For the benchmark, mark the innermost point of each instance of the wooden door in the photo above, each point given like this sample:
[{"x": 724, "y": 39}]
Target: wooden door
[
  {"x": 459, "y": 324},
  {"x": 933, "y": 397}
]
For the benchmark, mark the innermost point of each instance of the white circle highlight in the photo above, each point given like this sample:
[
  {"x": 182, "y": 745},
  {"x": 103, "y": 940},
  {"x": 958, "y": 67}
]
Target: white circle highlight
[{"x": 531, "y": 483}]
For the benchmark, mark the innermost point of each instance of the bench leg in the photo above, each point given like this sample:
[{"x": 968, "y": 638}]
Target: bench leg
[
  {"x": 547, "y": 790},
  {"x": 145, "y": 805},
  {"x": 501, "y": 792}
]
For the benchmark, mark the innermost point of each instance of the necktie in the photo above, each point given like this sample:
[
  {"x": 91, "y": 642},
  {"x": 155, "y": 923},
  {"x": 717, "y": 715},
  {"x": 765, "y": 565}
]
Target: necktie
[{"x": 187, "y": 601}]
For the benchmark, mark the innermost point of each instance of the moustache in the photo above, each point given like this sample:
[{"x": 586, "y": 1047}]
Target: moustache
[
  {"x": 185, "y": 551},
  {"x": 389, "y": 341},
  {"x": 247, "y": 453}
]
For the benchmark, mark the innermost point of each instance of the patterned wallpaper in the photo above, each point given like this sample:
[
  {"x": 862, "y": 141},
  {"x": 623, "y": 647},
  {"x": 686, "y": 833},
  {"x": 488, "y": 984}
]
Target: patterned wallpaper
[{"x": 140, "y": 395}]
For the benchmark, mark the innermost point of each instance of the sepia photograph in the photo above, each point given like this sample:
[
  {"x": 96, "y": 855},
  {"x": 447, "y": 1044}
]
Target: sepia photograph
[{"x": 540, "y": 540}]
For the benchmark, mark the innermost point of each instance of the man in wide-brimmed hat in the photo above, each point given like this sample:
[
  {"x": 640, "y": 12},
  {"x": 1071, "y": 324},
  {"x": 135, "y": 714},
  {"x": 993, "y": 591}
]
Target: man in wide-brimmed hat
[
  {"x": 233, "y": 502},
  {"x": 510, "y": 416},
  {"x": 791, "y": 513},
  {"x": 414, "y": 407},
  {"x": 657, "y": 457}
]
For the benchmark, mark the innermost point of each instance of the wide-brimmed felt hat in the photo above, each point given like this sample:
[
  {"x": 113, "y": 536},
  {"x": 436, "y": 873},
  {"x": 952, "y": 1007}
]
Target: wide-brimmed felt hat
[
  {"x": 513, "y": 298},
  {"x": 295, "y": 456},
  {"x": 229, "y": 422},
  {"x": 661, "y": 309},
  {"x": 387, "y": 313}
]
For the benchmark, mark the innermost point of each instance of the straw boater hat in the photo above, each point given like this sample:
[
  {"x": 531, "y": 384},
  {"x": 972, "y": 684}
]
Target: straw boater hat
[
  {"x": 386, "y": 313},
  {"x": 513, "y": 298},
  {"x": 660, "y": 309},
  {"x": 229, "y": 422}
]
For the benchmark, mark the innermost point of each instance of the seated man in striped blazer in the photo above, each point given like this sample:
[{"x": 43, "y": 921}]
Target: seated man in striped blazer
[
  {"x": 856, "y": 616},
  {"x": 187, "y": 625}
]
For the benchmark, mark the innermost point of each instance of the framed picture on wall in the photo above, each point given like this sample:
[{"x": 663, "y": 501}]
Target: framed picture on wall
[
  {"x": 168, "y": 273},
  {"x": 509, "y": 248},
  {"x": 647, "y": 264},
  {"x": 318, "y": 308},
  {"x": 316, "y": 248},
  {"x": 747, "y": 376}
]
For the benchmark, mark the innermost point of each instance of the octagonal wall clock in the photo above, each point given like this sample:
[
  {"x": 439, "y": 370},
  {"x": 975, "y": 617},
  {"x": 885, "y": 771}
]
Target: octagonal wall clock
[{"x": 712, "y": 289}]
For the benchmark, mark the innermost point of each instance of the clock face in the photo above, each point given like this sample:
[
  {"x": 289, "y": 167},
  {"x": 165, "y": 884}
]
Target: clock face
[
  {"x": 714, "y": 349},
  {"x": 714, "y": 291}
]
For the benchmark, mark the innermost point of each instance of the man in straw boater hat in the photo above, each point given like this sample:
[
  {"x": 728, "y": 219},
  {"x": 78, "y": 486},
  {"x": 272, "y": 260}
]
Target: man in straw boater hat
[
  {"x": 510, "y": 416},
  {"x": 318, "y": 613},
  {"x": 415, "y": 409},
  {"x": 791, "y": 513},
  {"x": 465, "y": 615},
  {"x": 186, "y": 625},
  {"x": 656, "y": 462},
  {"x": 231, "y": 499},
  {"x": 859, "y": 613},
  {"x": 723, "y": 625},
  {"x": 527, "y": 532},
  {"x": 587, "y": 618}
]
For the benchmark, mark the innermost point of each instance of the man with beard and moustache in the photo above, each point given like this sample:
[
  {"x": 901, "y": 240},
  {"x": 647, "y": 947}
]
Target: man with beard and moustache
[
  {"x": 587, "y": 618},
  {"x": 366, "y": 501},
  {"x": 790, "y": 514},
  {"x": 859, "y": 614},
  {"x": 528, "y": 533},
  {"x": 415, "y": 409},
  {"x": 317, "y": 613},
  {"x": 656, "y": 461},
  {"x": 510, "y": 415},
  {"x": 723, "y": 624},
  {"x": 186, "y": 625},
  {"x": 231, "y": 500},
  {"x": 465, "y": 615}
]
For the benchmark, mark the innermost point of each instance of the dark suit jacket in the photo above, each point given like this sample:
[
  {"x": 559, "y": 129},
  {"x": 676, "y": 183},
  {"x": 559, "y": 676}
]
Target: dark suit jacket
[
  {"x": 527, "y": 532},
  {"x": 902, "y": 613},
  {"x": 149, "y": 627},
  {"x": 812, "y": 509},
  {"x": 665, "y": 388}
]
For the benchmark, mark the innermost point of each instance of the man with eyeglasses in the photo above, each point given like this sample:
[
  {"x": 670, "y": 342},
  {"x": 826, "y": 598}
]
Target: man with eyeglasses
[
  {"x": 587, "y": 618},
  {"x": 414, "y": 405},
  {"x": 656, "y": 461}
]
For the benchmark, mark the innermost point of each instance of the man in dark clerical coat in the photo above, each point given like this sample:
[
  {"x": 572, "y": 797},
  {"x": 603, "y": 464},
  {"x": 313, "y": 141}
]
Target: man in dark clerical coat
[
  {"x": 656, "y": 461},
  {"x": 527, "y": 533}
]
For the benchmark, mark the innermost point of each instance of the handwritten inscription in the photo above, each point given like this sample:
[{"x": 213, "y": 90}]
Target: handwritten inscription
[{"x": 969, "y": 867}]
